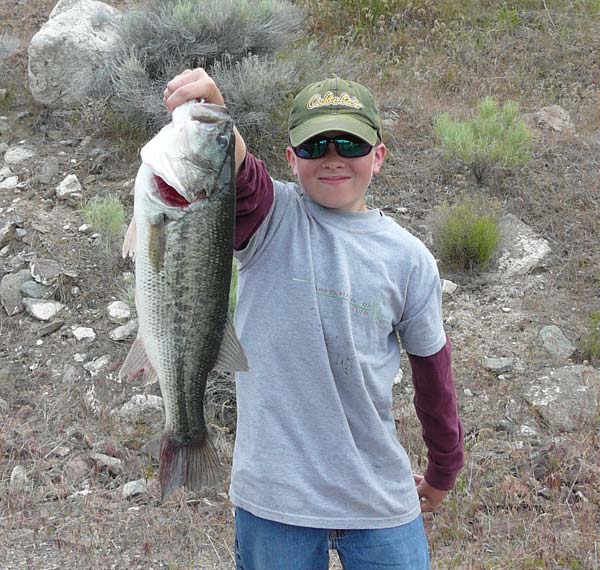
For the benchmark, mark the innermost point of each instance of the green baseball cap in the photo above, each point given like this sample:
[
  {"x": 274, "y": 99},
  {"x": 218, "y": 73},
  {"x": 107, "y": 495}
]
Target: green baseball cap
[{"x": 334, "y": 105}]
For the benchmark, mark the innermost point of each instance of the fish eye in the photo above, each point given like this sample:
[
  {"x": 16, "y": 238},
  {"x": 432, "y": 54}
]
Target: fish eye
[{"x": 222, "y": 141}]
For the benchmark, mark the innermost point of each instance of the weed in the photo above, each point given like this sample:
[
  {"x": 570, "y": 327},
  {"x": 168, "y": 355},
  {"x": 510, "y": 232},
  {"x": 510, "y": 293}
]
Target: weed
[
  {"x": 589, "y": 344},
  {"x": 466, "y": 233},
  {"x": 494, "y": 139},
  {"x": 107, "y": 216}
]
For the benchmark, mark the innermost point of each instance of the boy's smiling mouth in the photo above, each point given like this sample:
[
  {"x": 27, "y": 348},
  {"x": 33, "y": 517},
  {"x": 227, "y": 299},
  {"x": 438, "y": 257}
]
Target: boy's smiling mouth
[{"x": 333, "y": 179}]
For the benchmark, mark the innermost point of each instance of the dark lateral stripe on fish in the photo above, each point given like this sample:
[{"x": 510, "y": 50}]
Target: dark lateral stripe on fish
[{"x": 169, "y": 195}]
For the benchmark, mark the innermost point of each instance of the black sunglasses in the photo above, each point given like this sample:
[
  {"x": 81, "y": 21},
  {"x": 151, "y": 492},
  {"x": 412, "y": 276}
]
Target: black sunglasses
[{"x": 346, "y": 146}]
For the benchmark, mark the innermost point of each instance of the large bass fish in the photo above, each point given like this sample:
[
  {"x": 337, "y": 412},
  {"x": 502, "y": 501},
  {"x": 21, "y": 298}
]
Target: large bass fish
[{"x": 182, "y": 237}]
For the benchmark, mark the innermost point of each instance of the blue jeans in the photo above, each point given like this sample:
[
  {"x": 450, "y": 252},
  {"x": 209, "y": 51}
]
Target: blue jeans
[{"x": 267, "y": 545}]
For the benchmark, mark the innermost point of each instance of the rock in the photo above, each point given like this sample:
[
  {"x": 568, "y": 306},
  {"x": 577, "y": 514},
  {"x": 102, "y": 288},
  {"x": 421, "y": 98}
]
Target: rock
[
  {"x": 556, "y": 343},
  {"x": 95, "y": 366},
  {"x": 18, "y": 479},
  {"x": 568, "y": 398},
  {"x": 9, "y": 183},
  {"x": 18, "y": 154},
  {"x": 554, "y": 117},
  {"x": 143, "y": 408},
  {"x": 118, "y": 311},
  {"x": 83, "y": 333},
  {"x": 5, "y": 171},
  {"x": 69, "y": 186},
  {"x": 4, "y": 407},
  {"x": 71, "y": 375},
  {"x": 49, "y": 170},
  {"x": 498, "y": 365},
  {"x": 10, "y": 291},
  {"x": 448, "y": 287},
  {"x": 528, "y": 431},
  {"x": 107, "y": 463},
  {"x": 69, "y": 49},
  {"x": 521, "y": 249},
  {"x": 8, "y": 230},
  {"x": 125, "y": 331},
  {"x": 35, "y": 290},
  {"x": 20, "y": 233},
  {"x": 45, "y": 271},
  {"x": 42, "y": 310},
  {"x": 133, "y": 489},
  {"x": 75, "y": 470},
  {"x": 50, "y": 328},
  {"x": 85, "y": 228}
]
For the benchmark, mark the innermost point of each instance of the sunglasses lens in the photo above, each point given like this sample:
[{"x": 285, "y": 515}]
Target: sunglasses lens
[
  {"x": 312, "y": 148},
  {"x": 352, "y": 148},
  {"x": 346, "y": 147}
]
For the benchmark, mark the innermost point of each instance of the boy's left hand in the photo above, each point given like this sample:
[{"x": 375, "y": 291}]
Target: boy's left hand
[{"x": 431, "y": 498}]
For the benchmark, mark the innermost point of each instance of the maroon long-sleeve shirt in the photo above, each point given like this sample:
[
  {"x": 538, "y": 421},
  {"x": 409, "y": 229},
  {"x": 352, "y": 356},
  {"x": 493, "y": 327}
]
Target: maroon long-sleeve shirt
[{"x": 435, "y": 393}]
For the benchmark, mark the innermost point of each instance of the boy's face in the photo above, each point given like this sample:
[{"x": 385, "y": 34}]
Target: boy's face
[{"x": 334, "y": 181}]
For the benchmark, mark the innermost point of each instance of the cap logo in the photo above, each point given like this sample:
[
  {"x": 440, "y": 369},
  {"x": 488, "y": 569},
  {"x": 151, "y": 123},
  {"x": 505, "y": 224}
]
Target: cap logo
[{"x": 330, "y": 100}]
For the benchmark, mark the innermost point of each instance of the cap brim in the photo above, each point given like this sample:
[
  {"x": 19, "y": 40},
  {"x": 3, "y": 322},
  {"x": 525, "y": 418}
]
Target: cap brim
[{"x": 322, "y": 124}]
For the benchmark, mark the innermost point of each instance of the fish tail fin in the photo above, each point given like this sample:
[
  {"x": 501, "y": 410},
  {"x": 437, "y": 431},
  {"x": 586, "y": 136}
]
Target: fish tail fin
[{"x": 194, "y": 466}]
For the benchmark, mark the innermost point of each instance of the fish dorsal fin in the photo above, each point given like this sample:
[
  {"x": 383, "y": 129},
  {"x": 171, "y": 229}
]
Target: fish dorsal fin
[
  {"x": 231, "y": 356},
  {"x": 130, "y": 240}
]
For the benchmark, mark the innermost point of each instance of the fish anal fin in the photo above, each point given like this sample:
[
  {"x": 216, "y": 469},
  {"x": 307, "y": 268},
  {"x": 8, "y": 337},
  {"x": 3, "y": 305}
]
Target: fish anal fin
[
  {"x": 136, "y": 362},
  {"x": 193, "y": 465},
  {"x": 231, "y": 356},
  {"x": 130, "y": 240}
]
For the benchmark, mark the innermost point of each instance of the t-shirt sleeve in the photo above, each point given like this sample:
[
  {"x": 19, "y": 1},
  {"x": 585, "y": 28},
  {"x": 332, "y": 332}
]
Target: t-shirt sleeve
[
  {"x": 436, "y": 407},
  {"x": 420, "y": 328},
  {"x": 254, "y": 197}
]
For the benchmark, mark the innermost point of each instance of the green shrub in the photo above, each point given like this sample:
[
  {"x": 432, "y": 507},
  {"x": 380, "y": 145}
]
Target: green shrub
[
  {"x": 589, "y": 344},
  {"x": 107, "y": 217},
  {"x": 494, "y": 139},
  {"x": 466, "y": 234}
]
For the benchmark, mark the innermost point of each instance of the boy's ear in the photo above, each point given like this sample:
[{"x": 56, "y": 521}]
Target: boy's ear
[
  {"x": 380, "y": 152},
  {"x": 291, "y": 158}
]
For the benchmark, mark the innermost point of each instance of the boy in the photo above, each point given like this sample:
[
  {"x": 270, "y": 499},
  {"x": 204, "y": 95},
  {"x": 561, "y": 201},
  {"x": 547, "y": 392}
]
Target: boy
[{"x": 324, "y": 285}]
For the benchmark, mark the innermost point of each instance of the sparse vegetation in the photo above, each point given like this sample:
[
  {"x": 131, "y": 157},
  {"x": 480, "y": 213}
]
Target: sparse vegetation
[
  {"x": 589, "y": 344},
  {"x": 466, "y": 233},
  {"x": 494, "y": 139},
  {"x": 107, "y": 217}
]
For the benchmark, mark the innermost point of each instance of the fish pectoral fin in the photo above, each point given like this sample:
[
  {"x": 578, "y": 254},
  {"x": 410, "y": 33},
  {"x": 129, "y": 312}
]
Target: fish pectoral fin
[
  {"x": 136, "y": 362},
  {"x": 231, "y": 356},
  {"x": 130, "y": 240}
]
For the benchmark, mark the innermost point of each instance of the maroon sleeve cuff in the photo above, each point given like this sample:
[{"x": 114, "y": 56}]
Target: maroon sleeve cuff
[
  {"x": 436, "y": 407},
  {"x": 254, "y": 190}
]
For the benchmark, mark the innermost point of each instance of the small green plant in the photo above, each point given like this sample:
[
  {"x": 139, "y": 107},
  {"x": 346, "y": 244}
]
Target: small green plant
[
  {"x": 466, "y": 234},
  {"x": 494, "y": 139},
  {"x": 107, "y": 217},
  {"x": 589, "y": 344}
]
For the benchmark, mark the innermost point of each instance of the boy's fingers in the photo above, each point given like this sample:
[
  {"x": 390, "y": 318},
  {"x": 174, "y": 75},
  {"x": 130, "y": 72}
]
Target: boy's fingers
[{"x": 191, "y": 84}]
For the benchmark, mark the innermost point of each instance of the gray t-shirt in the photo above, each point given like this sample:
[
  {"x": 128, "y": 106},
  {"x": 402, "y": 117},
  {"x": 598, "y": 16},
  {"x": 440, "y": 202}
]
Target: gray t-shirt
[{"x": 321, "y": 294}]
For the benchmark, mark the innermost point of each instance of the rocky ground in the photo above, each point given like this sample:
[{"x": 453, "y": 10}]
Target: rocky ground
[{"x": 77, "y": 473}]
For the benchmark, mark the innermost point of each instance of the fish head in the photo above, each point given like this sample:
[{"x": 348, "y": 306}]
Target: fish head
[{"x": 208, "y": 147}]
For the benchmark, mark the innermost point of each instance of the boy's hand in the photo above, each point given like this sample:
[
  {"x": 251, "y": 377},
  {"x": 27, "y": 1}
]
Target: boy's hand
[
  {"x": 197, "y": 84},
  {"x": 191, "y": 84},
  {"x": 431, "y": 498}
]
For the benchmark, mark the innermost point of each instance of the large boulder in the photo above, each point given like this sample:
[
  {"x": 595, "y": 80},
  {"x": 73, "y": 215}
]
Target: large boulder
[{"x": 65, "y": 55}]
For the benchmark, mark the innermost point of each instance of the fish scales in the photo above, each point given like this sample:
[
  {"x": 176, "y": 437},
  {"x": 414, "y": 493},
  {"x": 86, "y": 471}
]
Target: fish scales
[{"x": 183, "y": 275}]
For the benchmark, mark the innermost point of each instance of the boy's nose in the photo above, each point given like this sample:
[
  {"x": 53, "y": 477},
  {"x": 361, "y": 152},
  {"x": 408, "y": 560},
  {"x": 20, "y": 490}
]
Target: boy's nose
[{"x": 330, "y": 151}]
